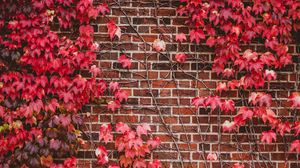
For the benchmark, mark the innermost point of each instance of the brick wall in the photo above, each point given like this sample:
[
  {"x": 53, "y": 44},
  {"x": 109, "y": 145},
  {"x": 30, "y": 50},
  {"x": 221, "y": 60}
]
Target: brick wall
[{"x": 161, "y": 91}]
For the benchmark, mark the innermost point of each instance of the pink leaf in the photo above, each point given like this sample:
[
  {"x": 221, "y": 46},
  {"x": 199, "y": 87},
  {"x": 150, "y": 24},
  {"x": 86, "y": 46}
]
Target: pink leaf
[
  {"x": 122, "y": 128},
  {"x": 159, "y": 45},
  {"x": 295, "y": 99},
  {"x": 228, "y": 126},
  {"x": 114, "y": 86},
  {"x": 143, "y": 129},
  {"x": 211, "y": 157},
  {"x": 113, "y": 105},
  {"x": 154, "y": 164},
  {"x": 180, "y": 57},
  {"x": 126, "y": 63},
  {"x": 181, "y": 37},
  {"x": 121, "y": 95},
  {"x": 295, "y": 146},
  {"x": 105, "y": 133},
  {"x": 268, "y": 136}
]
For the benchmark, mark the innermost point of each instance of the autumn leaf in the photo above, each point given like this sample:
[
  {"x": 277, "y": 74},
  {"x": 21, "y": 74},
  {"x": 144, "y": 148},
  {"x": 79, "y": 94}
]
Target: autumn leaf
[
  {"x": 159, "y": 45},
  {"x": 180, "y": 57},
  {"x": 126, "y": 63},
  {"x": 113, "y": 30},
  {"x": 113, "y": 105},
  {"x": 211, "y": 157},
  {"x": 196, "y": 35},
  {"x": 143, "y": 129},
  {"x": 268, "y": 136},
  {"x": 180, "y": 37}
]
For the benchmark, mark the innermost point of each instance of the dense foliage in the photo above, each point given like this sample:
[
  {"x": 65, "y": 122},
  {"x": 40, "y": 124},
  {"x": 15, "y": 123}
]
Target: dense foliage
[
  {"x": 224, "y": 26},
  {"x": 42, "y": 92}
]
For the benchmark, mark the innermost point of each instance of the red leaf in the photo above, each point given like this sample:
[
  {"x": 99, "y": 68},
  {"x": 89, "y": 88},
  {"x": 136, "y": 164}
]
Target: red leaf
[
  {"x": 101, "y": 154},
  {"x": 103, "y": 8},
  {"x": 143, "y": 129},
  {"x": 283, "y": 127},
  {"x": 113, "y": 30},
  {"x": 210, "y": 41},
  {"x": 261, "y": 98},
  {"x": 296, "y": 128},
  {"x": 295, "y": 99},
  {"x": 250, "y": 56},
  {"x": 199, "y": 101},
  {"x": 114, "y": 86},
  {"x": 228, "y": 72},
  {"x": 71, "y": 162},
  {"x": 270, "y": 75},
  {"x": 113, "y": 105},
  {"x": 95, "y": 71},
  {"x": 121, "y": 95},
  {"x": 246, "y": 113},
  {"x": 220, "y": 87},
  {"x": 268, "y": 136},
  {"x": 295, "y": 146},
  {"x": 105, "y": 133},
  {"x": 154, "y": 143},
  {"x": 211, "y": 156},
  {"x": 122, "y": 128},
  {"x": 180, "y": 57},
  {"x": 154, "y": 164},
  {"x": 181, "y": 37},
  {"x": 228, "y": 126},
  {"x": 270, "y": 116},
  {"x": 124, "y": 161},
  {"x": 196, "y": 35},
  {"x": 213, "y": 102},
  {"x": 233, "y": 84},
  {"x": 126, "y": 63},
  {"x": 237, "y": 165},
  {"x": 227, "y": 106},
  {"x": 139, "y": 163}
]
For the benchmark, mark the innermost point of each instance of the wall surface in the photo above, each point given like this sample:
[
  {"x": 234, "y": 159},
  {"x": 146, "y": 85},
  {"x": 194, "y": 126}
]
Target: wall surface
[{"x": 161, "y": 91}]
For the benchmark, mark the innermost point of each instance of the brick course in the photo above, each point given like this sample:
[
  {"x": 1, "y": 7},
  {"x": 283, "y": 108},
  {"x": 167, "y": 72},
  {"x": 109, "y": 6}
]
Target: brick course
[{"x": 161, "y": 91}]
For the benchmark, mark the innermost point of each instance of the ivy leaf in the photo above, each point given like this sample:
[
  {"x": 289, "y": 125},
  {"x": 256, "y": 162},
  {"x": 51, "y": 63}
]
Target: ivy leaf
[
  {"x": 113, "y": 30},
  {"x": 295, "y": 146},
  {"x": 139, "y": 163},
  {"x": 103, "y": 9},
  {"x": 154, "y": 164},
  {"x": 101, "y": 154},
  {"x": 143, "y": 129},
  {"x": 113, "y": 105},
  {"x": 295, "y": 99},
  {"x": 126, "y": 63},
  {"x": 180, "y": 37},
  {"x": 228, "y": 106},
  {"x": 180, "y": 57},
  {"x": 211, "y": 157},
  {"x": 268, "y": 136},
  {"x": 196, "y": 35},
  {"x": 154, "y": 143},
  {"x": 228, "y": 126},
  {"x": 71, "y": 162},
  {"x": 124, "y": 161},
  {"x": 159, "y": 45},
  {"x": 221, "y": 86},
  {"x": 237, "y": 165},
  {"x": 199, "y": 101},
  {"x": 121, "y": 95},
  {"x": 270, "y": 75},
  {"x": 122, "y": 128},
  {"x": 114, "y": 86},
  {"x": 105, "y": 133}
]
